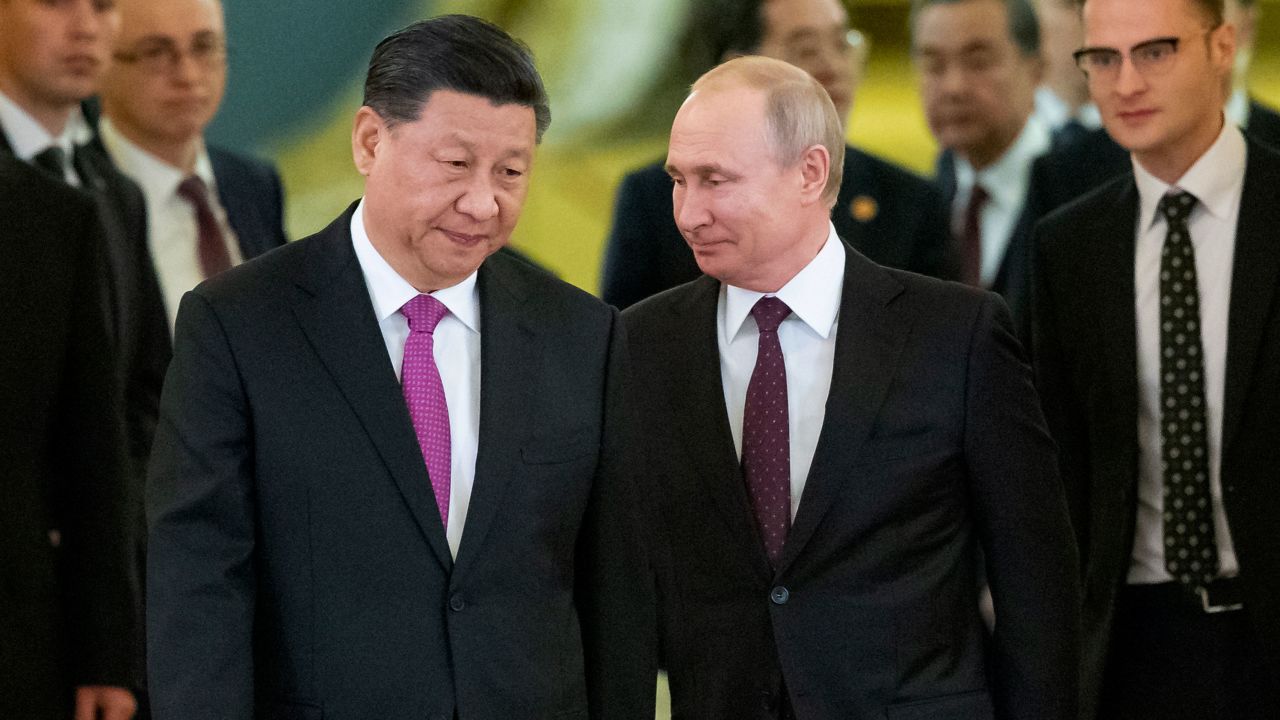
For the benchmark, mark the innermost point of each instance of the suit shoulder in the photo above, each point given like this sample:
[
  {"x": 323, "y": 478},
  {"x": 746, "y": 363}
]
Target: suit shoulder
[
  {"x": 891, "y": 174},
  {"x": 1084, "y": 209},
  {"x": 657, "y": 307},
  {"x": 648, "y": 180},
  {"x": 241, "y": 167},
  {"x": 540, "y": 286}
]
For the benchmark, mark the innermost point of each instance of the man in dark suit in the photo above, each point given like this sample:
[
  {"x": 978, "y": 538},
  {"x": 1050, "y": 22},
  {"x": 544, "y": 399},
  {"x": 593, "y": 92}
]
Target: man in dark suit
[
  {"x": 207, "y": 208},
  {"x": 824, "y": 472},
  {"x": 1158, "y": 360},
  {"x": 68, "y": 591},
  {"x": 388, "y": 478},
  {"x": 1089, "y": 160},
  {"x": 979, "y": 64},
  {"x": 887, "y": 212}
]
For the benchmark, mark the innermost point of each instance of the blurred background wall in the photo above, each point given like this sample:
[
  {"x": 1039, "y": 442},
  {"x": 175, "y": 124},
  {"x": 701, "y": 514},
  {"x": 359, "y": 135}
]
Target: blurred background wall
[{"x": 615, "y": 70}]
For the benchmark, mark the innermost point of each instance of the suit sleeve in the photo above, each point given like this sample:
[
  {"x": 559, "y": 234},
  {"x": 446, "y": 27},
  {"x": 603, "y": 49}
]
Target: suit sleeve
[
  {"x": 1064, "y": 416},
  {"x": 1023, "y": 526},
  {"x": 615, "y": 582},
  {"x": 201, "y": 584},
  {"x": 629, "y": 259},
  {"x": 102, "y": 603}
]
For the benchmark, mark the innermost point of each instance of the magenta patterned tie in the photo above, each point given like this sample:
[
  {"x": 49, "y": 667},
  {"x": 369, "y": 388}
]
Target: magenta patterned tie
[
  {"x": 766, "y": 440},
  {"x": 424, "y": 394}
]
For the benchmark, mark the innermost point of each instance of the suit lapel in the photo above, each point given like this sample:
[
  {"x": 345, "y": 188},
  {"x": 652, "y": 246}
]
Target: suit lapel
[
  {"x": 689, "y": 357},
  {"x": 337, "y": 317},
  {"x": 1253, "y": 284},
  {"x": 1110, "y": 252},
  {"x": 869, "y": 340},
  {"x": 508, "y": 358}
]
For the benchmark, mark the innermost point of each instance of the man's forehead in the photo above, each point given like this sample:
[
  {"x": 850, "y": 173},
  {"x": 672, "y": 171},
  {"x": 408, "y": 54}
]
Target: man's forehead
[{"x": 786, "y": 18}]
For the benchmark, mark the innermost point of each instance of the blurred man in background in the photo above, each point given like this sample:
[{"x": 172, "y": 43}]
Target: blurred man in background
[
  {"x": 207, "y": 209},
  {"x": 979, "y": 65},
  {"x": 1062, "y": 100},
  {"x": 888, "y": 213}
]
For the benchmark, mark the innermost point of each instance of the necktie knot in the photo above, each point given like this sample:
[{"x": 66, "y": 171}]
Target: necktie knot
[
  {"x": 194, "y": 191},
  {"x": 769, "y": 313},
  {"x": 424, "y": 312},
  {"x": 53, "y": 161},
  {"x": 1177, "y": 207}
]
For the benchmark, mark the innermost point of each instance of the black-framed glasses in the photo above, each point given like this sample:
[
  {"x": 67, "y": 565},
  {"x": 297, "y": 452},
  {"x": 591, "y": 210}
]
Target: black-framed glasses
[
  {"x": 1150, "y": 58},
  {"x": 161, "y": 55}
]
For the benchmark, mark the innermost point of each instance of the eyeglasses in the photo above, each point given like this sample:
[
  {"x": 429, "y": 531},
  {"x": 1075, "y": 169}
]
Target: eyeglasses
[
  {"x": 1150, "y": 59},
  {"x": 162, "y": 55}
]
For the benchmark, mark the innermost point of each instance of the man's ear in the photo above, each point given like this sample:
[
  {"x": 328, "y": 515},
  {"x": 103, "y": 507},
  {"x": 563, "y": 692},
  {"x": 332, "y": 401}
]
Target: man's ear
[
  {"x": 815, "y": 169},
  {"x": 367, "y": 134}
]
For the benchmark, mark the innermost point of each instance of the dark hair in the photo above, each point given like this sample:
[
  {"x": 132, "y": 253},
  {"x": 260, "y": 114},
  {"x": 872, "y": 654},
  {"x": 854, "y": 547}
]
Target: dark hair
[
  {"x": 1024, "y": 27},
  {"x": 1214, "y": 10},
  {"x": 452, "y": 52},
  {"x": 722, "y": 28}
]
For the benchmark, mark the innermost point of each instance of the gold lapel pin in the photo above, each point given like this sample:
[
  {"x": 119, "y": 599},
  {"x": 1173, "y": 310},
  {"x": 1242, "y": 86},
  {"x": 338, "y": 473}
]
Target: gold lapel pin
[{"x": 864, "y": 208}]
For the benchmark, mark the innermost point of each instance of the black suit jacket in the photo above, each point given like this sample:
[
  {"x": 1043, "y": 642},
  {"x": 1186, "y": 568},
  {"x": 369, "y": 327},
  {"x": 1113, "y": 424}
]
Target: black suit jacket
[
  {"x": 932, "y": 446},
  {"x": 250, "y": 191},
  {"x": 891, "y": 215},
  {"x": 298, "y": 565},
  {"x": 1013, "y": 281},
  {"x": 66, "y": 586},
  {"x": 140, "y": 334},
  {"x": 1086, "y": 357}
]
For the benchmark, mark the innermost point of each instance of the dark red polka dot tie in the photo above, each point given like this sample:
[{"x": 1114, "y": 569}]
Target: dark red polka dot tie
[{"x": 766, "y": 442}]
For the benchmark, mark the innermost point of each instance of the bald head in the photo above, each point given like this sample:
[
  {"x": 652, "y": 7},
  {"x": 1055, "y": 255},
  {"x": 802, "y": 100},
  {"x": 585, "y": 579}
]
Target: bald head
[{"x": 799, "y": 112}]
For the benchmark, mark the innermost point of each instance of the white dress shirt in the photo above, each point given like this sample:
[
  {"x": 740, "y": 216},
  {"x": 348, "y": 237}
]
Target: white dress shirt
[
  {"x": 1217, "y": 181},
  {"x": 28, "y": 138},
  {"x": 457, "y": 354},
  {"x": 808, "y": 339},
  {"x": 1006, "y": 181},
  {"x": 172, "y": 230}
]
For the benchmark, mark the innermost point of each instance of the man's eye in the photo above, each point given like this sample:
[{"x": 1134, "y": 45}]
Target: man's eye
[{"x": 512, "y": 173}]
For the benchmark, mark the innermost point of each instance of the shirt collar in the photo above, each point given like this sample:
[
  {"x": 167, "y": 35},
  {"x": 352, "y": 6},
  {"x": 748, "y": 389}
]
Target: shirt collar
[
  {"x": 159, "y": 180},
  {"x": 813, "y": 294},
  {"x": 389, "y": 291},
  {"x": 1237, "y": 108},
  {"x": 1005, "y": 180},
  {"x": 27, "y": 137},
  {"x": 1215, "y": 179}
]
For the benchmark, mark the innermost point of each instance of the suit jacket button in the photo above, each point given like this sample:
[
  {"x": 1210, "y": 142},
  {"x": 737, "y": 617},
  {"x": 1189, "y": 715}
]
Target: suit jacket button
[
  {"x": 457, "y": 604},
  {"x": 780, "y": 595}
]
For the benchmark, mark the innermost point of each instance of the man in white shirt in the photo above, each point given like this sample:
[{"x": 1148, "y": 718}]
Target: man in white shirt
[
  {"x": 829, "y": 442},
  {"x": 389, "y": 480},
  {"x": 1157, "y": 335},
  {"x": 207, "y": 209},
  {"x": 979, "y": 64}
]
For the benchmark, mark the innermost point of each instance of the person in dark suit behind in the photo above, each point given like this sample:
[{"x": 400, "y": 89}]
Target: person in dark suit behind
[
  {"x": 207, "y": 208},
  {"x": 979, "y": 64},
  {"x": 388, "y": 480},
  {"x": 1091, "y": 159},
  {"x": 828, "y": 442},
  {"x": 1158, "y": 361},
  {"x": 68, "y": 591},
  {"x": 888, "y": 213}
]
